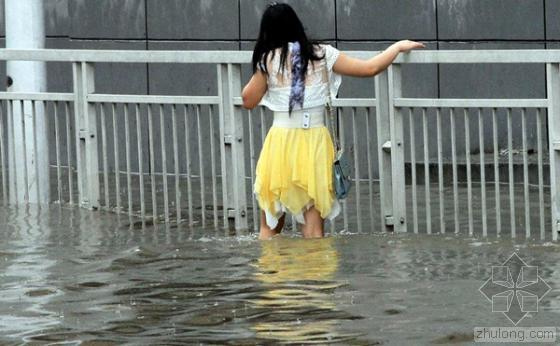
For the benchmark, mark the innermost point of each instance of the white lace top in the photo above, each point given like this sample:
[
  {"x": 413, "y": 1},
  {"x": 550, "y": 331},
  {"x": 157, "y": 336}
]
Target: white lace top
[{"x": 277, "y": 96}]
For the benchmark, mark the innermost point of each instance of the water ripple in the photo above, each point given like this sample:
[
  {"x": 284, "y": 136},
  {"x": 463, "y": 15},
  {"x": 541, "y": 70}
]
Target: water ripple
[{"x": 73, "y": 276}]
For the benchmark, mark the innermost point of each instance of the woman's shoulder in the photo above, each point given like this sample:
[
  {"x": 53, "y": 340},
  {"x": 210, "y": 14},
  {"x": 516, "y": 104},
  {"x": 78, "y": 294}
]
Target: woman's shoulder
[
  {"x": 321, "y": 47},
  {"x": 330, "y": 53}
]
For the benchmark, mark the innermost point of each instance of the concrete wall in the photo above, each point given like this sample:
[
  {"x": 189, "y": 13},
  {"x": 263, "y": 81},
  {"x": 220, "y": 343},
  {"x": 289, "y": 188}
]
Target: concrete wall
[{"x": 347, "y": 24}]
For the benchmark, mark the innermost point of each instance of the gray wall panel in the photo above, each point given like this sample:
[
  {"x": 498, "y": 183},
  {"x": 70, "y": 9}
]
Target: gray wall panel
[
  {"x": 386, "y": 19},
  {"x": 57, "y": 18},
  {"x": 193, "y": 19},
  {"x": 492, "y": 80},
  {"x": 122, "y": 19},
  {"x": 552, "y": 10},
  {"x": 2, "y": 22},
  {"x": 186, "y": 79},
  {"x": 317, "y": 16},
  {"x": 496, "y": 19}
]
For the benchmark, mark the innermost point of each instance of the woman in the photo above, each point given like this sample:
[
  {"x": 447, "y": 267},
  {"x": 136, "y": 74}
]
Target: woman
[{"x": 294, "y": 169}]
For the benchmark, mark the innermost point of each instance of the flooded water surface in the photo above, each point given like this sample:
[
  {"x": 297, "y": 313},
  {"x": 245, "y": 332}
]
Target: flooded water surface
[{"x": 71, "y": 276}]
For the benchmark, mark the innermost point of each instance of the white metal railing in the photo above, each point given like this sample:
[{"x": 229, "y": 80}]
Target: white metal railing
[{"x": 169, "y": 157}]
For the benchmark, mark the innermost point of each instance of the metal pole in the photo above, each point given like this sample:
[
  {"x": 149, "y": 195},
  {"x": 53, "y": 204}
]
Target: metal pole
[
  {"x": 384, "y": 151},
  {"x": 232, "y": 147},
  {"x": 29, "y": 181},
  {"x": 397, "y": 149}
]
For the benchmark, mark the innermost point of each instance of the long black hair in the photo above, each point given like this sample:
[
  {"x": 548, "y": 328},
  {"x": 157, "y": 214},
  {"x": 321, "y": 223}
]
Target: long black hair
[{"x": 280, "y": 25}]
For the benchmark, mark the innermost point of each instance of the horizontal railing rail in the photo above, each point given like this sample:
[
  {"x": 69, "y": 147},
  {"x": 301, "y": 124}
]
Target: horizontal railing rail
[
  {"x": 170, "y": 157},
  {"x": 242, "y": 57}
]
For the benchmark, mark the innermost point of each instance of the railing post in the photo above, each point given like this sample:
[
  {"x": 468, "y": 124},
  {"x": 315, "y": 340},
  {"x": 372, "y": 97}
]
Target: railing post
[
  {"x": 232, "y": 146},
  {"x": 553, "y": 94},
  {"x": 397, "y": 149},
  {"x": 86, "y": 135},
  {"x": 384, "y": 150}
]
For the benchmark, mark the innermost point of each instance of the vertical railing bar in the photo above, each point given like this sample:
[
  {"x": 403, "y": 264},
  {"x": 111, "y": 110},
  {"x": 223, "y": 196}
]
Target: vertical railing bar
[
  {"x": 225, "y": 149},
  {"x": 24, "y": 149},
  {"x": 253, "y": 168},
  {"x": 140, "y": 161},
  {"x": 34, "y": 125},
  {"x": 356, "y": 171},
  {"x": 370, "y": 164},
  {"x": 427, "y": 172},
  {"x": 482, "y": 174},
  {"x": 342, "y": 144},
  {"x": 200, "y": 167},
  {"x": 496, "y": 171},
  {"x": 176, "y": 163},
  {"x": 412, "y": 136},
  {"x": 57, "y": 147},
  {"x": 468, "y": 164},
  {"x": 454, "y": 166},
  {"x": 117, "y": 163},
  {"x": 151, "y": 139},
  {"x": 12, "y": 168},
  {"x": 189, "y": 168},
  {"x": 525, "y": 173},
  {"x": 3, "y": 155},
  {"x": 510, "y": 171},
  {"x": 440, "y": 171},
  {"x": 104, "y": 153},
  {"x": 164, "y": 163},
  {"x": 127, "y": 155},
  {"x": 540, "y": 172},
  {"x": 69, "y": 152},
  {"x": 213, "y": 166}
]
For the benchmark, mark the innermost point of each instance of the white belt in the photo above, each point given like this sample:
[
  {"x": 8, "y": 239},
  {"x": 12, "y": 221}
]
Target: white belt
[{"x": 300, "y": 118}]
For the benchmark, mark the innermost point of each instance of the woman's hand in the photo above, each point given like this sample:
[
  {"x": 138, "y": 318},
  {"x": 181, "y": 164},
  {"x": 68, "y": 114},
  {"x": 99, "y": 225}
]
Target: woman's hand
[{"x": 406, "y": 45}]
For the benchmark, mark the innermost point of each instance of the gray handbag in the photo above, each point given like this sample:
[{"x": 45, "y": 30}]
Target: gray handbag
[{"x": 341, "y": 164}]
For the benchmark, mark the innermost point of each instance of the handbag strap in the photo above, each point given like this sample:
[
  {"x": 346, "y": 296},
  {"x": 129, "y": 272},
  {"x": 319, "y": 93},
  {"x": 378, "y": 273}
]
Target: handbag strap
[{"x": 330, "y": 109}]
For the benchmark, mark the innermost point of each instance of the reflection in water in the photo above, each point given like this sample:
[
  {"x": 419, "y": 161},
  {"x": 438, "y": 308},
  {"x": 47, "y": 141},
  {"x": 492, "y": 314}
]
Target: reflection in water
[{"x": 298, "y": 284}]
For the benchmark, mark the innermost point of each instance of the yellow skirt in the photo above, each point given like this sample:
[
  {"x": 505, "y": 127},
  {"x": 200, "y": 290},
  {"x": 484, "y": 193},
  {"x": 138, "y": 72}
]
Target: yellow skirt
[{"x": 294, "y": 172}]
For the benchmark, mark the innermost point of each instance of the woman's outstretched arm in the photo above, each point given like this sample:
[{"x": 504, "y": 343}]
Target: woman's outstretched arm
[{"x": 349, "y": 66}]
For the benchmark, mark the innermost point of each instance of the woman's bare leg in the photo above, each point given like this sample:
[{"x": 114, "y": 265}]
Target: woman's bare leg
[
  {"x": 313, "y": 227},
  {"x": 265, "y": 231}
]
